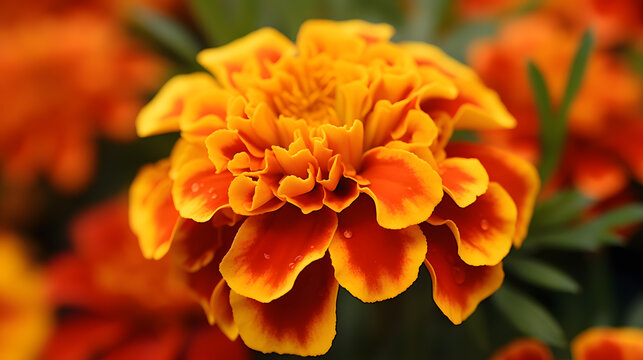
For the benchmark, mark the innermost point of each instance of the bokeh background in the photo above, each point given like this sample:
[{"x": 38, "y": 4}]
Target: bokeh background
[{"x": 73, "y": 75}]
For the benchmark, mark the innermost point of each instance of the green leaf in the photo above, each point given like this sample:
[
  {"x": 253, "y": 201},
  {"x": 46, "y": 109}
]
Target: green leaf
[
  {"x": 560, "y": 209},
  {"x": 166, "y": 32},
  {"x": 576, "y": 74},
  {"x": 552, "y": 123},
  {"x": 528, "y": 316},
  {"x": 541, "y": 274},
  {"x": 551, "y": 130},
  {"x": 222, "y": 21},
  {"x": 588, "y": 236}
]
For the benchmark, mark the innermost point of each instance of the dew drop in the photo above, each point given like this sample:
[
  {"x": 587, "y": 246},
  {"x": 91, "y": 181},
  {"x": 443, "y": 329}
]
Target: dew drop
[
  {"x": 298, "y": 258},
  {"x": 312, "y": 247},
  {"x": 348, "y": 234},
  {"x": 210, "y": 190},
  {"x": 195, "y": 187},
  {"x": 291, "y": 265},
  {"x": 213, "y": 196},
  {"x": 484, "y": 224},
  {"x": 459, "y": 275},
  {"x": 266, "y": 256}
]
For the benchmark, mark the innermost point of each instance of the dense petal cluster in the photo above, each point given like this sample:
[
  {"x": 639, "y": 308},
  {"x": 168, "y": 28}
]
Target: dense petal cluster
[
  {"x": 65, "y": 80},
  {"x": 303, "y": 167},
  {"x": 603, "y": 150},
  {"x": 105, "y": 284},
  {"x": 25, "y": 316}
]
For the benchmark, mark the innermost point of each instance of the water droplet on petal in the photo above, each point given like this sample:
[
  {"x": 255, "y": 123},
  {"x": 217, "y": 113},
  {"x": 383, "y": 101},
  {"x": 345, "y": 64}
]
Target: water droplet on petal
[
  {"x": 210, "y": 190},
  {"x": 298, "y": 258},
  {"x": 291, "y": 265},
  {"x": 459, "y": 275},
  {"x": 312, "y": 247},
  {"x": 348, "y": 234},
  {"x": 484, "y": 224},
  {"x": 213, "y": 196},
  {"x": 195, "y": 187},
  {"x": 266, "y": 256}
]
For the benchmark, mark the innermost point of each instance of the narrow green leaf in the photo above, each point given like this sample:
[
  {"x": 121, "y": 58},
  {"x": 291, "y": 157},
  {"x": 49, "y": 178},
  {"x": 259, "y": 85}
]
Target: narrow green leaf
[
  {"x": 576, "y": 74},
  {"x": 588, "y": 236},
  {"x": 560, "y": 209},
  {"x": 550, "y": 142},
  {"x": 528, "y": 316},
  {"x": 166, "y": 32},
  {"x": 553, "y": 123},
  {"x": 541, "y": 274}
]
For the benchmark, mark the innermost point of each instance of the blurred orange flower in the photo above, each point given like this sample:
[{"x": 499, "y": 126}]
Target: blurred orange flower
[
  {"x": 603, "y": 149},
  {"x": 323, "y": 163},
  {"x": 615, "y": 22},
  {"x": 25, "y": 317},
  {"x": 609, "y": 343},
  {"x": 524, "y": 349},
  {"x": 121, "y": 305},
  {"x": 592, "y": 344},
  {"x": 66, "y": 80}
]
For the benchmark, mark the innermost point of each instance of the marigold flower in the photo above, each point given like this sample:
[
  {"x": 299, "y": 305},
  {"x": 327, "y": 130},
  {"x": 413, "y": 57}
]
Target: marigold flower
[
  {"x": 25, "y": 317},
  {"x": 524, "y": 349},
  {"x": 306, "y": 166},
  {"x": 66, "y": 80},
  {"x": 593, "y": 344},
  {"x": 602, "y": 149},
  {"x": 121, "y": 305},
  {"x": 608, "y": 343}
]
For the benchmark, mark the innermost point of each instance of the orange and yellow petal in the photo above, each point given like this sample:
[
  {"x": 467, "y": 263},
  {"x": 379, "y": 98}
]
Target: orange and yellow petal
[
  {"x": 162, "y": 114},
  {"x": 221, "y": 310},
  {"x": 253, "y": 53},
  {"x": 518, "y": 177},
  {"x": 25, "y": 312},
  {"x": 199, "y": 192},
  {"x": 203, "y": 113},
  {"x": 340, "y": 39},
  {"x": 608, "y": 343},
  {"x": 302, "y": 322},
  {"x": 196, "y": 243},
  {"x": 463, "y": 179},
  {"x": 458, "y": 288},
  {"x": 484, "y": 229},
  {"x": 151, "y": 209},
  {"x": 270, "y": 250},
  {"x": 404, "y": 187},
  {"x": 524, "y": 349},
  {"x": 371, "y": 262}
]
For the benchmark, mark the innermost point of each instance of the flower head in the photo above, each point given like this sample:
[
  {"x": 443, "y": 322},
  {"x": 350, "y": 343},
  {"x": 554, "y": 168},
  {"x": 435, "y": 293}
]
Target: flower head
[
  {"x": 327, "y": 162},
  {"x": 67, "y": 79}
]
